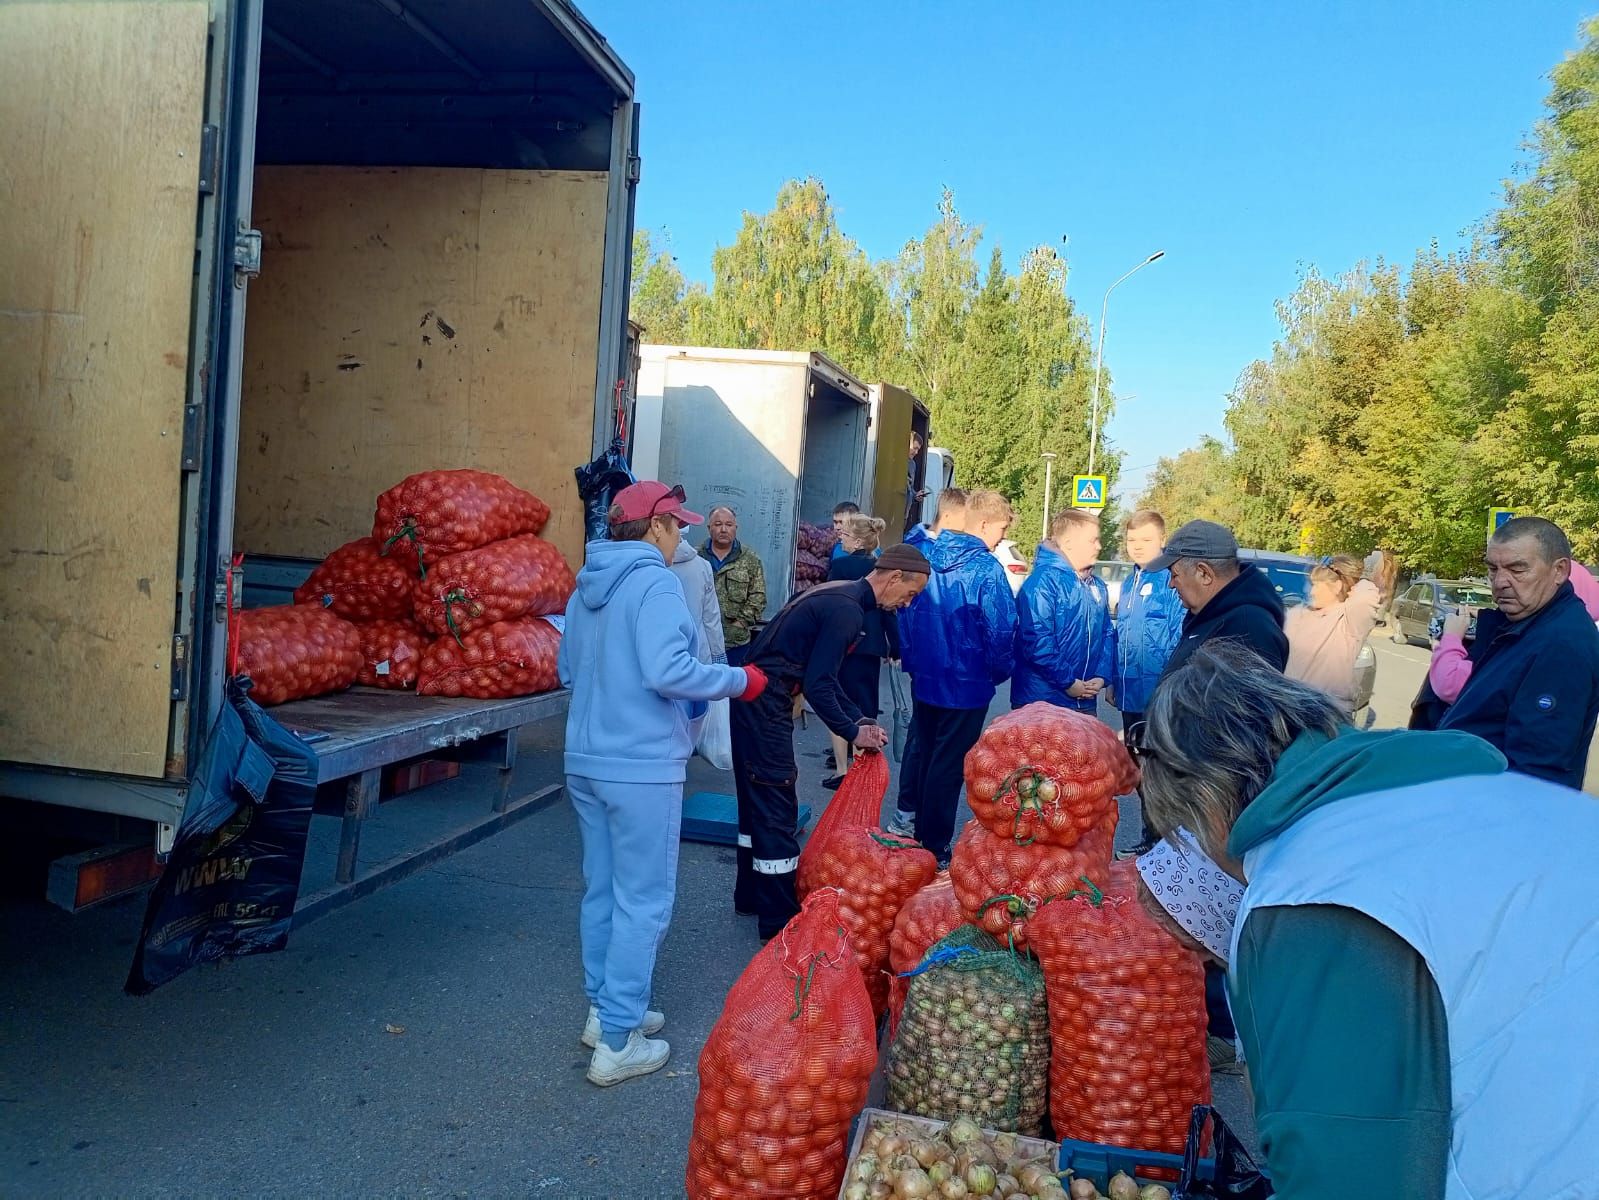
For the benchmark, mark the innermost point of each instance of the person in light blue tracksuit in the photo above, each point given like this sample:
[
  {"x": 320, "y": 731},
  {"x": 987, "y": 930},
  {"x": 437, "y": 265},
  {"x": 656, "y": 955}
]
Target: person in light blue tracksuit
[
  {"x": 629, "y": 656},
  {"x": 1149, "y": 623},
  {"x": 1063, "y": 633}
]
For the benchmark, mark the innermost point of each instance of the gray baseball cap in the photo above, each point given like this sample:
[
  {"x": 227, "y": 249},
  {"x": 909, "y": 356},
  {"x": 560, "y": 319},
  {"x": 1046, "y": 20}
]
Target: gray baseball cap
[{"x": 1197, "y": 539}]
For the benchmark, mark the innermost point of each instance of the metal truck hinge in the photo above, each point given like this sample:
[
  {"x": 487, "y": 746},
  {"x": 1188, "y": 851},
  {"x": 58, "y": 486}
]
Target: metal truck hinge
[{"x": 246, "y": 256}]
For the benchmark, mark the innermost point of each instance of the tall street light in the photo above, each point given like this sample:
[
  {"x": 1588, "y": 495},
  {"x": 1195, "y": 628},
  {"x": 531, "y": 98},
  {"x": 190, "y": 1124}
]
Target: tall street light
[
  {"x": 1049, "y": 478},
  {"x": 1099, "y": 359}
]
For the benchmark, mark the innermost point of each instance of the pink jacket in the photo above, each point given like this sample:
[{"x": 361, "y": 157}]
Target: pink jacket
[
  {"x": 1324, "y": 642},
  {"x": 1451, "y": 668}
]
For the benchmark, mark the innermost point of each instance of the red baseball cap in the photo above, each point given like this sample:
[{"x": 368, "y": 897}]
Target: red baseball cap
[{"x": 648, "y": 498}]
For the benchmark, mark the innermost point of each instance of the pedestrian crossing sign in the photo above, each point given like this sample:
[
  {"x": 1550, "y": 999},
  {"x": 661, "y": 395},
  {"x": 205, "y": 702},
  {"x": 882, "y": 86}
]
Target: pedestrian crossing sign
[
  {"x": 1497, "y": 517},
  {"x": 1088, "y": 491}
]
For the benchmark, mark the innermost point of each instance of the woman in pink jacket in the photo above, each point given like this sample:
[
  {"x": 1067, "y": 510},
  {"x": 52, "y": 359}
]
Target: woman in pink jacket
[
  {"x": 1325, "y": 635},
  {"x": 1451, "y": 668}
]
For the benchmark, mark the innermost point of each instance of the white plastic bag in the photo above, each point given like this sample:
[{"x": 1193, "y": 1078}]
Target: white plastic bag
[
  {"x": 899, "y": 690},
  {"x": 715, "y": 744}
]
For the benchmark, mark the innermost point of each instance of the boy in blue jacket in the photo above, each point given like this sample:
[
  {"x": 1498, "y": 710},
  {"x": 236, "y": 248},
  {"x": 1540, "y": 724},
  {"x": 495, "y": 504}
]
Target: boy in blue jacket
[
  {"x": 1149, "y": 623},
  {"x": 957, "y": 641},
  {"x": 629, "y": 658},
  {"x": 1063, "y": 633}
]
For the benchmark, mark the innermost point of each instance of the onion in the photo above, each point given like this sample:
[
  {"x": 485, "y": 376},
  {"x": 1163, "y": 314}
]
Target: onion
[
  {"x": 914, "y": 1184},
  {"x": 940, "y": 1171},
  {"x": 981, "y": 1179},
  {"x": 858, "y": 1191},
  {"x": 1084, "y": 1189},
  {"x": 963, "y": 1131},
  {"x": 1122, "y": 1187},
  {"x": 926, "y": 1152},
  {"x": 953, "y": 1188},
  {"x": 880, "y": 1189},
  {"x": 1006, "y": 1185},
  {"x": 1032, "y": 1177},
  {"x": 1153, "y": 1191},
  {"x": 1048, "y": 789},
  {"x": 865, "y": 1168},
  {"x": 1004, "y": 1145}
]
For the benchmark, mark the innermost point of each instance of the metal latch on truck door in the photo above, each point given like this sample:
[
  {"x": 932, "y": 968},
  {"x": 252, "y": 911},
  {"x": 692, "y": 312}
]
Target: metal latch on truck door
[{"x": 246, "y": 256}]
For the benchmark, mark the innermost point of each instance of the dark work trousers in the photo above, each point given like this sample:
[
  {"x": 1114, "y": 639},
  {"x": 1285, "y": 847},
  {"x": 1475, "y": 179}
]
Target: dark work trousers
[
  {"x": 941, "y": 737},
  {"x": 1146, "y": 835},
  {"x": 768, "y": 809}
]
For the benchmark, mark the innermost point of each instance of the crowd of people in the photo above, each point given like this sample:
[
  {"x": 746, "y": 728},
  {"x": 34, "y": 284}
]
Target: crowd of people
[{"x": 1399, "y": 1026}]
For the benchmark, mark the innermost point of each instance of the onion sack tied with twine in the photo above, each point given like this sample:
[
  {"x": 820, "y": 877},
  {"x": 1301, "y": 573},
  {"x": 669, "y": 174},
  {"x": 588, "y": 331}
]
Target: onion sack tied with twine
[{"x": 1043, "y": 774}]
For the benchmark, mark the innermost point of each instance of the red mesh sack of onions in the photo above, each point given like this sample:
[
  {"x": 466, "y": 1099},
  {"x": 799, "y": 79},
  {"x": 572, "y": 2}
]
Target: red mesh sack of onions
[
  {"x": 876, "y": 873},
  {"x": 1127, "y": 1021},
  {"x": 929, "y": 916},
  {"x": 1045, "y": 774},
  {"x": 508, "y": 658},
  {"x": 358, "y": 583},
  {"x": 293, "y": 651},
  {"x": 391, "y": 654},
  {"x": 1001, "y": 886},
  {"x": 786, "y": 1067},
  {"x": 858, "y": 801},
  {"x": 434, "y": 513},
  {"x": 518, "y": 577}
]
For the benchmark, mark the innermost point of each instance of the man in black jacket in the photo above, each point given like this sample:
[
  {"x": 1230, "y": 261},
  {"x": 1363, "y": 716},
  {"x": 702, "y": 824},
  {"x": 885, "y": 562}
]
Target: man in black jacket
[
  {"x": 800, "y": 650},
  {"x": 1224, "y": 598},
  {"x": 1533, "y": 691}
]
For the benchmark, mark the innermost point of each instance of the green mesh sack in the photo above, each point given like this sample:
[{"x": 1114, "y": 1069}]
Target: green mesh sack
[{"x": 974, "y": 1038}]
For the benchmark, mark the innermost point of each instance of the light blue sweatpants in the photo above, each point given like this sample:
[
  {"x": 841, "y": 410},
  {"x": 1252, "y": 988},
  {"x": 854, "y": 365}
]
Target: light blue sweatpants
[{"x": 630, "y": 835}]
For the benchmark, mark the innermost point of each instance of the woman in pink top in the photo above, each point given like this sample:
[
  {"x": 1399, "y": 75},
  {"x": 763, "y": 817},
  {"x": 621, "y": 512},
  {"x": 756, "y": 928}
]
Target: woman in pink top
[
  {"x": 1325, "y": 635},
  {"x": 1451, "y": 668}
]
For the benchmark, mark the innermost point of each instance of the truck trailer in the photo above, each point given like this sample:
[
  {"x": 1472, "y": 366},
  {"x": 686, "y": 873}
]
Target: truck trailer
[
  {"x": 428, "y": 207},
  {"x": 780, "y": 436}
]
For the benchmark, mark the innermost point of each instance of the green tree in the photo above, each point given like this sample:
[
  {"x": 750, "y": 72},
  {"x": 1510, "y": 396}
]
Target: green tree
[
  {"x": 792, "y": 280},
  {"x": 1200, "y": 484},
  {"x": 933, "y": 285},
  {"x": 658, "y": 296}
]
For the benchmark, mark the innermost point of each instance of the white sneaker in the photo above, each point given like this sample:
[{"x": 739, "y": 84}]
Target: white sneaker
[
  {"x": 901, "y": 825},
  {"x": 654, "y": 1022},
  {"x": 640, "y": 1056}
]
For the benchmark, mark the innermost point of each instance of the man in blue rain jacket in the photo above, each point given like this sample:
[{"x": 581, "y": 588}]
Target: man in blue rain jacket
[
  {"x": 1063, "y": 631},
  {"x": 957, "y": 643},
  {"x": 1149, "y": 620}
]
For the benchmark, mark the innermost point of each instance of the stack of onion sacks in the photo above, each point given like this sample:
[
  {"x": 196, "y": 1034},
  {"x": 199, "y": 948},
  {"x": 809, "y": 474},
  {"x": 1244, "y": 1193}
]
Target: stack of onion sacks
[
  {"x": 876, "y": 873},
  {"x": 1042, "y": 783}
]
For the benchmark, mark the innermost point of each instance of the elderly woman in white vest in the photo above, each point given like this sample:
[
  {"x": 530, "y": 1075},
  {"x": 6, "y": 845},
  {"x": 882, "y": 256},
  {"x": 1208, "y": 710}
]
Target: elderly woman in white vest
[{"x": 1415, "y": 963}]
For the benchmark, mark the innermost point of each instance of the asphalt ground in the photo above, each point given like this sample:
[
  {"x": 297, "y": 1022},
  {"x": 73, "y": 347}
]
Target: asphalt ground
[{"x": 422, "y": 1041}]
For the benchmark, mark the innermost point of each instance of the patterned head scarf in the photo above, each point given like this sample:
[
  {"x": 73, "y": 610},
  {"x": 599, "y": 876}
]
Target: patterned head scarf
[{"x": 1198, "y": 894}]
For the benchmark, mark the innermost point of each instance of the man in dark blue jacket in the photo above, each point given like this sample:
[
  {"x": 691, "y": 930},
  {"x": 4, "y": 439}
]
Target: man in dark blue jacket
[
  {"x": 1534, "y": 687},
  {"x": 1063, "y": 634},
  {"x": 957, "y": 643}
]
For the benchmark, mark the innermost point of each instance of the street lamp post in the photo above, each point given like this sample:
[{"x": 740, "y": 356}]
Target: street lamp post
[
  {"x": 1099, "y": 360},
  {"x": 1049, "y": 478}
]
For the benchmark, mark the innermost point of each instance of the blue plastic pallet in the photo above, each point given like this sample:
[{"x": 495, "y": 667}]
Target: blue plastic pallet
[{"x": 712, "y": 818}]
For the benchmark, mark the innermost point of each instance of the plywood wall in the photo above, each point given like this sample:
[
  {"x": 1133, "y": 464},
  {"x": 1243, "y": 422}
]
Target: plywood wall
[
  {"x": 413, "y": 318},
  {"x": 100, "y": 116}
]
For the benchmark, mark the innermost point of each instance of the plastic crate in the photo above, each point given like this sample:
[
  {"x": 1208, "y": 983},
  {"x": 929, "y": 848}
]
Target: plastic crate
[
  {"x": 1092, "y": 1160},
  {"x": 1035, "y": 1146}
]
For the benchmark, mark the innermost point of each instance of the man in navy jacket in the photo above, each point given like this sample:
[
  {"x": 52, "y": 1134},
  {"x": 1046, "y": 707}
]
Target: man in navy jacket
[
  {"x": 1063, "y": 634},
  {"x": 957, "y": 643},
  {"x": 1534, "y": 685}
]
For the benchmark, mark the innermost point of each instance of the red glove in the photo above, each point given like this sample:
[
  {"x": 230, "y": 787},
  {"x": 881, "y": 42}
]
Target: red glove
[{"x": 754, "y": 684}]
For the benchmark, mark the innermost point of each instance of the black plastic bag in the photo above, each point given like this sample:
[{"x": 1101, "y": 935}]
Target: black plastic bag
[
  {"x": 597, "y": 483},
  {"x": 234, "y": 872},
  {"x": 1236, "y": 1176}
]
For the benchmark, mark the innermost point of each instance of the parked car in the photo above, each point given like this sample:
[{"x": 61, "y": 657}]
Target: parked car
[
  {"x": 1419, "y": 610},
  {"x": 1015, "y": 565},
  {"x": 1290, "y": 575},
  {"x": 1112, "y": 574}
]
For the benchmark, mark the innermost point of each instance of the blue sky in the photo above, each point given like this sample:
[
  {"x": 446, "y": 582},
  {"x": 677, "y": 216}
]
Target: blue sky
[{"x": 1246, "y": 139}]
